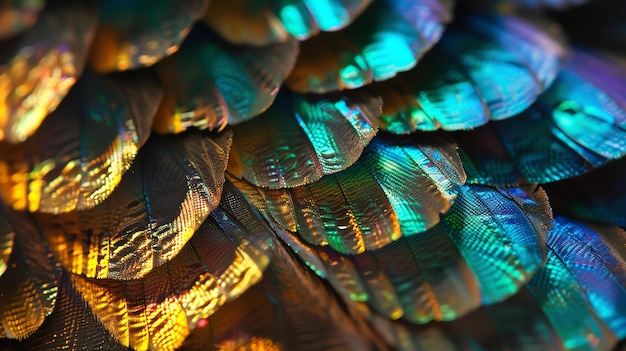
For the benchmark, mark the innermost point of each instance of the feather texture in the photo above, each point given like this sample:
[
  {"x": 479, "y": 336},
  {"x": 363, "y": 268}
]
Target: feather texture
[
  {"x": 138, "y": 33},
  {"x": 219, "y": 263},
  {"x": 78, "y": 156},
  {"x": 596, "y": 257},
  {"x": 456, "y": 85},
  {"x": 577, "y": 125},
  {"x": 171, "y": 189},
  {"x": 29, "y": 285},
  {"x": 276, "y": 314},
  {"x": 388, "y": 38},
  {"x": 398, "y": 187},
  {"x": 210, "y": 83},
  {"x": 301, "y": 139},
  {"x": 71, "y": 326},
  {"x": 263, "y": 22},
  {"x": 39, "y": 66},
  {"x": 485, "y": 249}
]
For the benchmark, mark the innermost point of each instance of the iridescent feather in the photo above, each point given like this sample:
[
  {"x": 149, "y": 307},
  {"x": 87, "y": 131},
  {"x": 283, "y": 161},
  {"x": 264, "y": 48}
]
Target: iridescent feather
[
  {"x": 300, "y": 139},
  {"x": 39, "y": 66},
  {"x": 138, "y": 33},
  {"x": 487, "y": 246},
  {"x": 263, "y": 22},
  {"x": 210, "y": 83},
  {"x": 575, "y": 126},
  {"x": 222, "y": 260},
  {"x": 28, "y": 287},
  {"x": 389, "y": 37},
  {"x": 170, "y": 190},
  {"x": 78, "y": 156},
  {"x": 398, "y": 187},
  {"x": 484, "y": 68}
]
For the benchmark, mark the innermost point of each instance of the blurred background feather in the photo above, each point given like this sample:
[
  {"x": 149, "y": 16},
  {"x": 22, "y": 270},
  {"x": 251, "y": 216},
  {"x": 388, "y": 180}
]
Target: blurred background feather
[{"x": 312, "y": 175}]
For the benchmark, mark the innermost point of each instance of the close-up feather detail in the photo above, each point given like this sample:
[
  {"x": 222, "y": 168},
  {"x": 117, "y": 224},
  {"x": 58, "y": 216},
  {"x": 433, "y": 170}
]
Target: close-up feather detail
[
  {"x": 210, "y": 83},
  {"x": 389, "y": 37},
  {"x": 80, "y": 152},
  {"x": 40, "y": 65},
  {"x": 173, "y": 186},
  {"x": 487, "y": 246},
  {"x": 454, "y": 86},
  {"x": 577, "y": 125},
  {"x": 29, "y": 285},
  {"x": 262, "y": 22},
  {"x": 138, "y": 33},
  {"x": 411, "y": 175},
  {"x": 398, "y": 187},
  {"x": 301, "y": 139}
]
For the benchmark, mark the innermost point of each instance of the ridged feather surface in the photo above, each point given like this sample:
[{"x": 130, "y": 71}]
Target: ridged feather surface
[
  {"x": 29, "y": 286},
  {"x": 485, "y": 68},
  {"x": 577, "y": 125},
  {"x": 398, "y": 187},
  {"x": 287, "y": 310},
  {"x": 78, "y": 156},
  {"x": 390, "y": 37},
  {"x": 301, "y": 139},
  {"x": 138, "y": 33},
  {"x": 485, "y": 249},
  {"x": 71, "y": 326},
  {"x": 170, "y": 190},
  {"x": 39, "y": 66},
  {"x": 220, "y": 262},
  {"x": 210, "y": 83},
  {"x": 596, "y": 256}
]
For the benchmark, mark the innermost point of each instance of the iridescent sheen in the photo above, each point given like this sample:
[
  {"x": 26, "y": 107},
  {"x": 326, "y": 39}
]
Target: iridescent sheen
[
  {"x": 222, "y": 260},
  {"x": 168, "y": 192},
  {"x": 550, "y": 313},
  {"x": 28, "y": 287},
  {"x": 484, "y": 68},
  {"x": 303, "y": 138},
  {"x": 286, "y": 311},
  {"x": 576, "y": 125},
  {"x": 38, "y": 67},
  {"x": 389, "y": 37},
  {"x": 18, "y": 15},
  {"x": 78, "y": 156},
  {"x": 596, "y": 256},
  {"x": 85, "y": 332},
  {"x": 138, "y": 33},
  {"x": 263, "y": 22},
  {"x": 488, "y": 245},
  {"x": 397, "y": 187},
  {"x": 210, "y": 83}
]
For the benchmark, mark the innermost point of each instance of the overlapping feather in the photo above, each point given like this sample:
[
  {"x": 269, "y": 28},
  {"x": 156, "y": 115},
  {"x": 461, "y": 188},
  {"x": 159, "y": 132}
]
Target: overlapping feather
[
  {"x": 485, "y": 68},
  {"x": 210, "y": 83},
  {"x": 78, "y": 156},
  {"x": 300, "y": 139},
  {"x": 170, "y": 190},
  {"x": 575, "y": 126}
]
